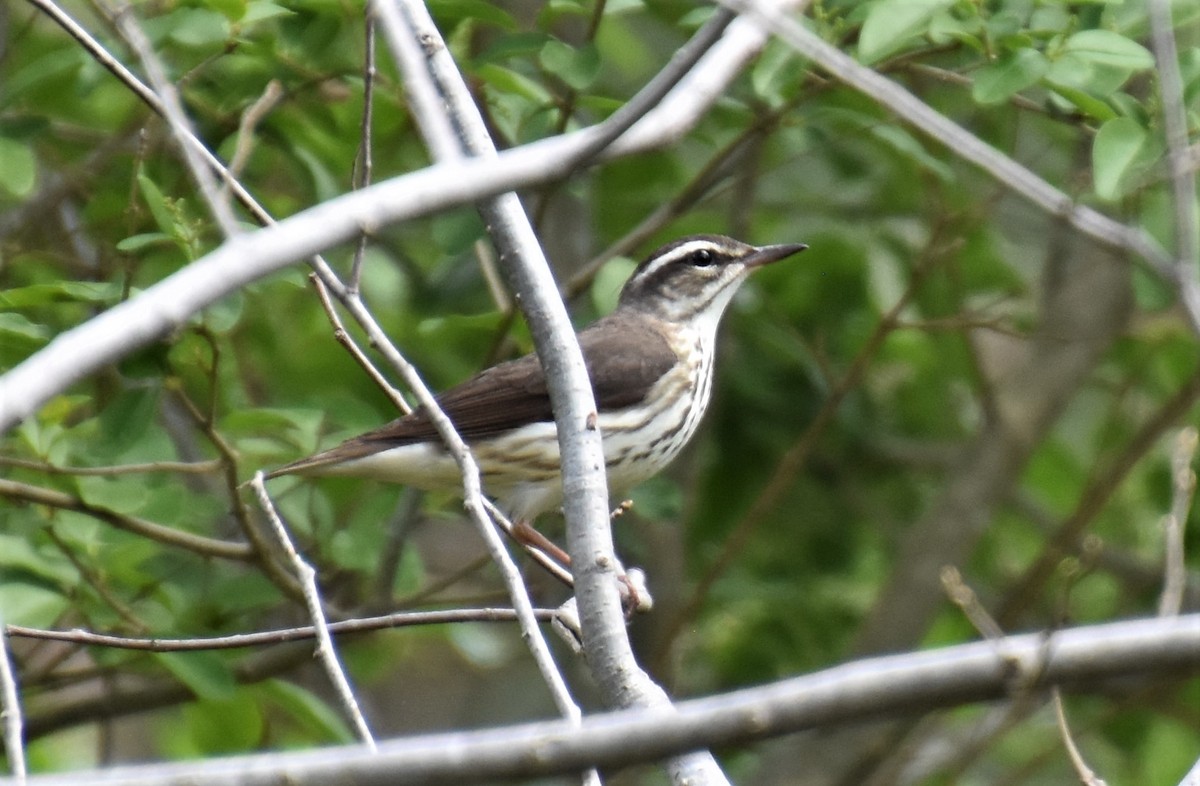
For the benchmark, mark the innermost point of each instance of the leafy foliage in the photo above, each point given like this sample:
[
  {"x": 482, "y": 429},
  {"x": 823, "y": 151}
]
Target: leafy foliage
[{"x": 942, "y": 350}]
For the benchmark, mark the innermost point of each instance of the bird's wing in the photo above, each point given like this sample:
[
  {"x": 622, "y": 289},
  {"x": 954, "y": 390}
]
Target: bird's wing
[{"x": 623, "y": 366}]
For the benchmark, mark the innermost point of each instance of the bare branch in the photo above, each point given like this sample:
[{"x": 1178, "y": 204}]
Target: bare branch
[
  {"x": 1193, "y": 776},
  {"x": 1183, "y": 487},
  {"x": 208, "y": 547},
  {"x": 251, "y": 117},
  {"x": 964, "y": 597},
  {"x": 177, "y": 120},
  {"x": 10, "y": 713},
  {"x": 1086, "y": 776},
  {"x": 1183, "y": 177},
  {"x": 443, "y": 108},
  {"x": 342, "y": 337},
  {"x": 182, "y": 467},
  {"x": 870, "y": 688},
  {"x": 403, "y": 619},
  {"x": 971, "y": 148},
  {"x": 325, "y": 652},
  {"x": 250, "y": 256},
  {"x": 365, "y": 164}
]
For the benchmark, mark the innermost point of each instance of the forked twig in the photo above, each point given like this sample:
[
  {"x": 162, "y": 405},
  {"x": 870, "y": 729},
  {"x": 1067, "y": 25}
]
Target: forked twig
[
  {"x": 312, "y": 599},
  {"x": 343, "y": 337}
]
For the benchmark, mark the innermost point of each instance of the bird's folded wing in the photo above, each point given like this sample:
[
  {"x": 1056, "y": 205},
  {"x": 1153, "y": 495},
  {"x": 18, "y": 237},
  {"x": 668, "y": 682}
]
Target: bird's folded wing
[{"x": 623, "y": 365}]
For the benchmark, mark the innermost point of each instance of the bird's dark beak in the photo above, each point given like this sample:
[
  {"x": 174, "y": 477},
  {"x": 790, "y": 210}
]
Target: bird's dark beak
[{"x": 765, "y": 255}]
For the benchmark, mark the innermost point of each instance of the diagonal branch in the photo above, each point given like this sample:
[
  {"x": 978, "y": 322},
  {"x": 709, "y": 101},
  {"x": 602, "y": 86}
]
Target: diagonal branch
[
  {"x": 971, "y": 148},
  {"x": 199, "y": 544},
  {"x": 897, "y": 685}
]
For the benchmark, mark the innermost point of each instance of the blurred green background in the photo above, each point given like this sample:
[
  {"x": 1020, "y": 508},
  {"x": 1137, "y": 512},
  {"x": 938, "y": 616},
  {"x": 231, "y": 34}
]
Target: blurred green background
[{"x": 948, "y": 377}]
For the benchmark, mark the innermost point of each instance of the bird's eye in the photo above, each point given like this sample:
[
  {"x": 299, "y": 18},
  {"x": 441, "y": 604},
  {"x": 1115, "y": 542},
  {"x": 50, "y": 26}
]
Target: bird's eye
[{"x": 703, "y": 258}]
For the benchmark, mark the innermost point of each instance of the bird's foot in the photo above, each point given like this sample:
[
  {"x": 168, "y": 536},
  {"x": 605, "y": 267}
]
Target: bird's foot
[
  {"x": 635, "y": 596},
  {"x": 526, "y": 535}
]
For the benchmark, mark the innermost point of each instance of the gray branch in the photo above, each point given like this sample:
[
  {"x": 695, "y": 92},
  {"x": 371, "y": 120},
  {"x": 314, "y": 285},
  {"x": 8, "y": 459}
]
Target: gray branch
[
  {"x": 443, "y": 108},
  {"x": 1080, "y": 659}
]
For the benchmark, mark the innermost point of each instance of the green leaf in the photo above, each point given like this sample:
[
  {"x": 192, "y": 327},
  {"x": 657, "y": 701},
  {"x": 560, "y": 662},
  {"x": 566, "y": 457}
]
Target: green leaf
[
  {"x": 1008, "y": 76},
  {"x": 18, "y": 554},
  {"x": 891, "y": 23},
  {"x": 123, "y": 494},
  {"x": 1114, "y": 152},
  {"x": 233, "y": 10},
  {"x": 1085, "y": 102},
  {"x": 505, "y": 47},
  {"x": 29, "y": 604},
  {"x": 578, "y": 67},
  {"x": 205, "y": 673},
  {"x": 162, "y": 212},
  {"x": 127, "y": 419},
  {"x": 261, "y": 11},
  {"x": 325, "y": 184},
  {"x": 908, "y": 145},
  {"x": 308, "y": 710},
  {"x": 17, "y": 333},
  {"x": 449, "y": 12},
  {"x": 92, "y": 292},
  {"x": 135, "y": 243},
  {"x": 234, "y": 725},
  {"x": 1108, "y": 48},
  {"x": 224, "y": 315},
  {"x": 772, "y": 71},
  {"x": 199, "y": 27},
  {"x": 607, "y": 283},
  {"x": 508, "y": 81},
  {"x": 18, "y": 167}
]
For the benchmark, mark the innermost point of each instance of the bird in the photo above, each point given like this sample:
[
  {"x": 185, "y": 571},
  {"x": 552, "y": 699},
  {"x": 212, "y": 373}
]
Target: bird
[{"x": 650, "y": 363}]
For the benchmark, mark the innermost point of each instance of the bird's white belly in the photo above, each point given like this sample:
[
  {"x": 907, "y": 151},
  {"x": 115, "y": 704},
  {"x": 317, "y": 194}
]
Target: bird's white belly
[{"x": 521, "y": 469}]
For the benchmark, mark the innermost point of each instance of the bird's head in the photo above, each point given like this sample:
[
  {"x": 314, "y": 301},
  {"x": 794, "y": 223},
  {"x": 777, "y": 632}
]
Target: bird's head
[{"x": 692, "y": 280}]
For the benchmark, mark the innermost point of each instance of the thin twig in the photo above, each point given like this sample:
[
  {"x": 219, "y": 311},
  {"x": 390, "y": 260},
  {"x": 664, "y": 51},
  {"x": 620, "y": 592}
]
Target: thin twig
[
  {"x": 172, "y": 110},
  {"x": 365, "y": 162},
  {"x": 861, "y": 691},
  {"x": 1085, "y": 773},
  {"x": 343, "y": 337},
  {"x": 1183, "y": 488},
  {"x": 257, "y": 540},
  {"x": 403, "y": 619},
  {"x": 183, "y": 467},
  {"x": 420, "y": 53},
  {"x": 204, "y": 546},
  {"x": 93, "y": 580},
  {"x": 964, "y": 597},
  {"x": 1183, "y": 177},
  {"x": 486, "y": 257},
  {"x": 1102, "y": 484},
  {"x": 312, "y": 597},
  {"x": 399, "y": 525},
  {"x": 250, "y": 120},
  {"x": 432, "y": 589},
  {"x": 971, "y": 148},
  {"x": 717, "y": 167},
  {"x": 10, "y": 712}
]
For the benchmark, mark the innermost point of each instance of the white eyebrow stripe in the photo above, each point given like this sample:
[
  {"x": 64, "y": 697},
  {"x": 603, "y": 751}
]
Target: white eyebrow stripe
[{"x": 675, "y": 254}]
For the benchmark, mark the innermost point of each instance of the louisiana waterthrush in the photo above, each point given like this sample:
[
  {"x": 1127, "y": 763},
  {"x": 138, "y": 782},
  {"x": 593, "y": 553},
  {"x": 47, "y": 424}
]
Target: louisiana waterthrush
[{"x": 650, "y": 363}]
